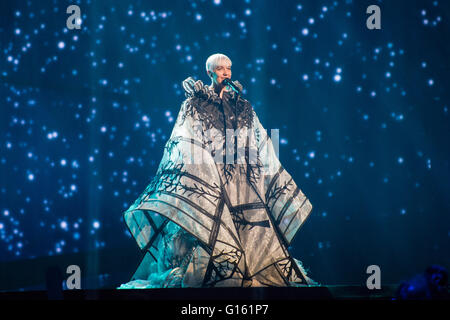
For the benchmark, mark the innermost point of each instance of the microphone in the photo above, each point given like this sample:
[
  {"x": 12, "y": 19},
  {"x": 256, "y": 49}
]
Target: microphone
[{"x": 228, "y": 82}]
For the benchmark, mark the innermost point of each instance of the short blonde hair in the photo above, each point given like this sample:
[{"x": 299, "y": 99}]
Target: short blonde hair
[{"x": 214, "y": 60}]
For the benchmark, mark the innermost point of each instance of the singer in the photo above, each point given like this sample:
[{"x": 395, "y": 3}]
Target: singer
[{"x": 228, "y": 219}]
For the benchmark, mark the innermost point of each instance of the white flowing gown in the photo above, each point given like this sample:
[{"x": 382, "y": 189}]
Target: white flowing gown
[{"x": 206, "y": 220}]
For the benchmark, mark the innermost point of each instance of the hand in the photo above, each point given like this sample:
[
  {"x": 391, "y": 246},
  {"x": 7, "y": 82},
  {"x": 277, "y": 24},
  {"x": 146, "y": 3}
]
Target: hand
[
  {"x": 192, "y": 87},
  {"x": 238, "y": 84}
]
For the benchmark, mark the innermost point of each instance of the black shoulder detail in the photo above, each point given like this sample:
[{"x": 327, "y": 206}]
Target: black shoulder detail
[{"x": 208, "y": 106}]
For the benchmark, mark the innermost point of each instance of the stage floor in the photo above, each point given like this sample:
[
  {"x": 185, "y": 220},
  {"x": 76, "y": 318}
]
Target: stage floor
[{"x": 332, "y": 292}]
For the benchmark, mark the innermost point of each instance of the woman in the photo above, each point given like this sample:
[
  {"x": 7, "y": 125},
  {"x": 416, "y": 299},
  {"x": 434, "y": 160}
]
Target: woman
[{"x": 218, "y": 213}]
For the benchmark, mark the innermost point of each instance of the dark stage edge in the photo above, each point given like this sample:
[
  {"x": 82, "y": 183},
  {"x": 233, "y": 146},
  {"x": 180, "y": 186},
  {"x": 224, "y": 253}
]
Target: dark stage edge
[{"x": 333, "y": 292}]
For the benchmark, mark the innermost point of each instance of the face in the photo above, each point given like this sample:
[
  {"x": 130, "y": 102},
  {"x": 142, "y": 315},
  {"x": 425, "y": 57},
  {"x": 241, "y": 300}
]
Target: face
[{"x": 222, "y": 71}]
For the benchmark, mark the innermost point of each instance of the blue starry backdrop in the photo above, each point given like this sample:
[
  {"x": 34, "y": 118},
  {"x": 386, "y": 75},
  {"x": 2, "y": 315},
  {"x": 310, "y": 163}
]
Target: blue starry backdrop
[{"x": 363, "y": 118}]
